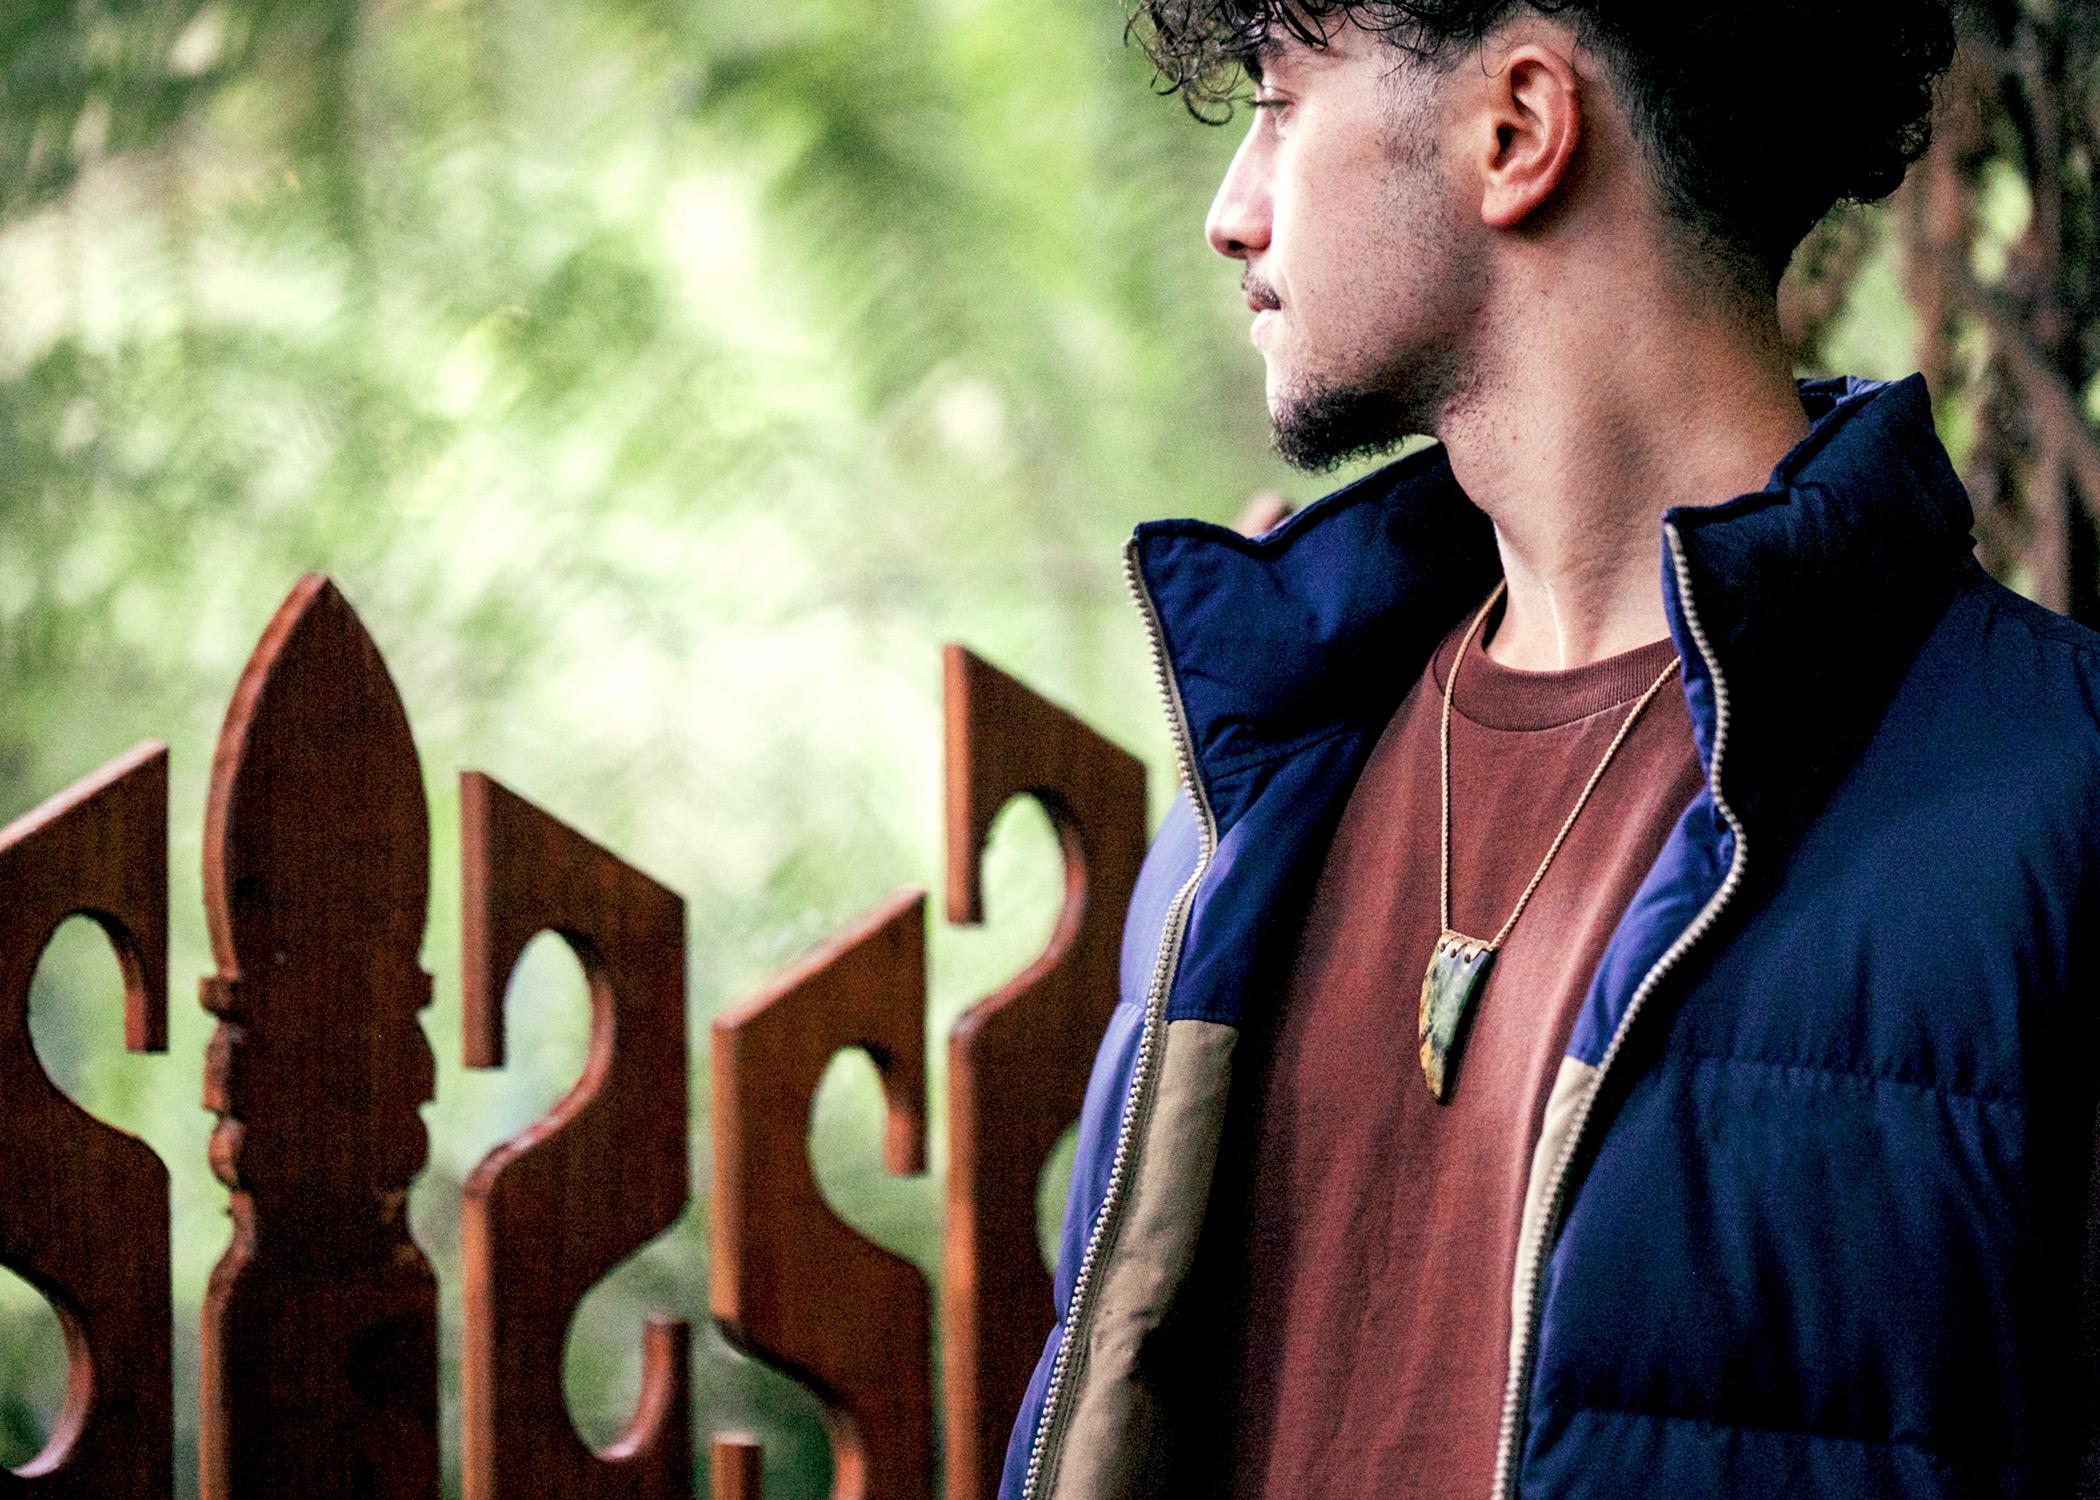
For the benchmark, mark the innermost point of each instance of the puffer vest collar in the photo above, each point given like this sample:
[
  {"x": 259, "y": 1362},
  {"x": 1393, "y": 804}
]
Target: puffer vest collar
[{"x": 1813, "y": 593}]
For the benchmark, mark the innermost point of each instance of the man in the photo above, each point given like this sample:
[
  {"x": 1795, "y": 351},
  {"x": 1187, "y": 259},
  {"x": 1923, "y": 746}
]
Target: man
[{"x": 1608, "y": 1012}]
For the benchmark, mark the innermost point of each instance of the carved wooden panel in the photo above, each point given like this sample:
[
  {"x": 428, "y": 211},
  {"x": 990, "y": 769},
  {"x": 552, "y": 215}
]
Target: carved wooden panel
[
  {"x": 83, "y": 1205},
  {"x": 737, "y": 1470},
  {"x": 1018, "y": 1060},
  {"x": 319, "y": 1374},
  {"x": 792, "y": 1284},
  {"x": 554, "y": 1208}
]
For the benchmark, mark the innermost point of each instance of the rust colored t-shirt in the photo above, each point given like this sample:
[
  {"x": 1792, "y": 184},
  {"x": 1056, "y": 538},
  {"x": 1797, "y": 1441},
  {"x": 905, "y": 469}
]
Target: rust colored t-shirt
[{"x": 1366, "y": 1263}]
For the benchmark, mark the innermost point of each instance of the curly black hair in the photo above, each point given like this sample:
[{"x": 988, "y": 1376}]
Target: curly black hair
[{"x": 1757, "y": 117}]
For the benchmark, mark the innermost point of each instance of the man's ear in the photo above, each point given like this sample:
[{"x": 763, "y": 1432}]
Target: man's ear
[{"x": 1532, "y": 111}]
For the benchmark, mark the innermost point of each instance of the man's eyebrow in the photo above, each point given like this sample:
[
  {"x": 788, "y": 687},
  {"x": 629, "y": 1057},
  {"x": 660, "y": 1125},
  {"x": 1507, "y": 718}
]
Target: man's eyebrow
[{"x": 1257, "y": 58}]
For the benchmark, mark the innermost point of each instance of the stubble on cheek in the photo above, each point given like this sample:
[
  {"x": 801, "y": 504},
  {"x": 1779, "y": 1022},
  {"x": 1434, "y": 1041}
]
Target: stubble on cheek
[
  {"x": 1390, "y": 306},
  {"x": 1399, "y": 385}
]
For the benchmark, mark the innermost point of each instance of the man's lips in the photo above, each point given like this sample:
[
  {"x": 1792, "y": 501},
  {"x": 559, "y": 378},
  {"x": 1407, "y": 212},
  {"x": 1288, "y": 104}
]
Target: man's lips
[{"x": 1262, "y": 301}]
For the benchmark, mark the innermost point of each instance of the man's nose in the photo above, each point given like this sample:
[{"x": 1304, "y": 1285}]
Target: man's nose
[{"x": 1238, "y": 223}]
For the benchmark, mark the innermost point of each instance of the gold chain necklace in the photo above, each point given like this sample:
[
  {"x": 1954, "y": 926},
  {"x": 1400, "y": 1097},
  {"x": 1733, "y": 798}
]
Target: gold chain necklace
[{"x": 1458, "y": 964}]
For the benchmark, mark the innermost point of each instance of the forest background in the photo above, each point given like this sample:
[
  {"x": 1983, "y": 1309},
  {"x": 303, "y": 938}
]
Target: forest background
[{"x": 663, "y": 384}]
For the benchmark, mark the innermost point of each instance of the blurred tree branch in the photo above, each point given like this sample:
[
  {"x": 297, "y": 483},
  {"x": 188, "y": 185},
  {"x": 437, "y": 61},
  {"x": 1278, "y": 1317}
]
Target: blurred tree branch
[{"x": 2012, "y": 351}]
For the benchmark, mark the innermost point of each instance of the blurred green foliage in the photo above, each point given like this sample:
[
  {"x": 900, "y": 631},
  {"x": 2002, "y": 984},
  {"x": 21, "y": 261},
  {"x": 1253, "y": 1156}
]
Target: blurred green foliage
[{"x": 663, "y": 384}]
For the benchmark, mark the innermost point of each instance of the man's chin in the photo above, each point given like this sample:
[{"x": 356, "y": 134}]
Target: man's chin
[{"x": 1319, "y": 426}]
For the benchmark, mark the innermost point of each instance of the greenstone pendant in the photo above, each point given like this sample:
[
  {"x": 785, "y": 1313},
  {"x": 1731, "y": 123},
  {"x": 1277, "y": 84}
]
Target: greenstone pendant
[{"x": 1457, "y": 966}]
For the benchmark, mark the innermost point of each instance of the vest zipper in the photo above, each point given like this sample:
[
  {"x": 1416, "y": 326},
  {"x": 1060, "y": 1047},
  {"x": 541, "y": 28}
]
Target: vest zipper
[
  {"x": 1138, "y": 1108},
  {"x": 1518, "y": 1389}
]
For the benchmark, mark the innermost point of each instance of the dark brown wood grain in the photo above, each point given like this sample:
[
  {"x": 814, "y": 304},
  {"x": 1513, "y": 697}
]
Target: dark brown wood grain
[
  {"x": 319, "y": 1375},
  {"x": 1018, "y": 1060},
  {"x": 83, "y": 1205},
  {"x": 792, "y": 1284},
  {"x": 555, "y": 1207}
]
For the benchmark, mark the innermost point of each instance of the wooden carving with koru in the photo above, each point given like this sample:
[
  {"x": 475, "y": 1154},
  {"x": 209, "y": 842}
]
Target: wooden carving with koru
[
  {"x": 792, "y": 1284},
  {"x": 554, "y": 1208},
  {"x": 736, "y": 1464},
  {"x": 1018, "y": 1060},
  {"x": 83, "y": 1205},
  {"x": 319, "y": 1375}
]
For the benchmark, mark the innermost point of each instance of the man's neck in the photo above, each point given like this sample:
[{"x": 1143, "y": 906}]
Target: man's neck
[{"x": 1588, "y": 437}]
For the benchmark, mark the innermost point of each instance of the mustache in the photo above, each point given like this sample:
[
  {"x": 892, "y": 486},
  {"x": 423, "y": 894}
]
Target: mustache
[{"x": 1260, "y": 292}]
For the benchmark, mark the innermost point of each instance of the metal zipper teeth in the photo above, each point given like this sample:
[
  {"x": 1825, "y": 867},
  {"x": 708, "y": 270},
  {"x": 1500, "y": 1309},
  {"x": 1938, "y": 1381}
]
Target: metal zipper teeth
[
  {"x": 1518, "y": 1389},
  {"x": 1155, "y": 1011}
]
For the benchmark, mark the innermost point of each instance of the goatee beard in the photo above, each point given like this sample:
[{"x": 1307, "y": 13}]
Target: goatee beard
[{"x": 1323, "y": 426}]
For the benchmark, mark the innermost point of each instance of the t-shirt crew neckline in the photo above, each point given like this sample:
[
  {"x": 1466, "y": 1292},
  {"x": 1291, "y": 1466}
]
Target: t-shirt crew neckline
[{"x": 1494, "y": 696}]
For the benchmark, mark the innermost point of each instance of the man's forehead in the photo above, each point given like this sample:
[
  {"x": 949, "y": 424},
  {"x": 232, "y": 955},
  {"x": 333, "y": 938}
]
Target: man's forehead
[{"x": 1279, "y": 47}]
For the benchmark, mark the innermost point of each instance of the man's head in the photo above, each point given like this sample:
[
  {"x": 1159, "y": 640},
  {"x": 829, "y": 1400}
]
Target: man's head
[{"x": 1420, "y": 174}]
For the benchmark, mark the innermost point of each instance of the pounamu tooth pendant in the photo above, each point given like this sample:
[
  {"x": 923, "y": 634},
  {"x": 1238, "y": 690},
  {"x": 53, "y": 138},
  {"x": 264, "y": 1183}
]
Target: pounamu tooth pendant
[{"x": 1457, "y": 966}]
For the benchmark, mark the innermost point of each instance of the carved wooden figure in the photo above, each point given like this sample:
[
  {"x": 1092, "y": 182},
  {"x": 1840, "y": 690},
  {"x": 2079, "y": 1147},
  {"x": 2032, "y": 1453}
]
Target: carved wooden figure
[
  {"x": 551, "y": 1210},
  {"x": 319, "y": 1374},
  {"x": 83, "y": 1205},
  {"x": 1018, "y": 1060},
  {"x": 792, "y": 1284}
]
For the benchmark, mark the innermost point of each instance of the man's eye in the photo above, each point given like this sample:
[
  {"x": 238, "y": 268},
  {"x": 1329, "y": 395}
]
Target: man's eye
[{"x": 1275, "y": 104}]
